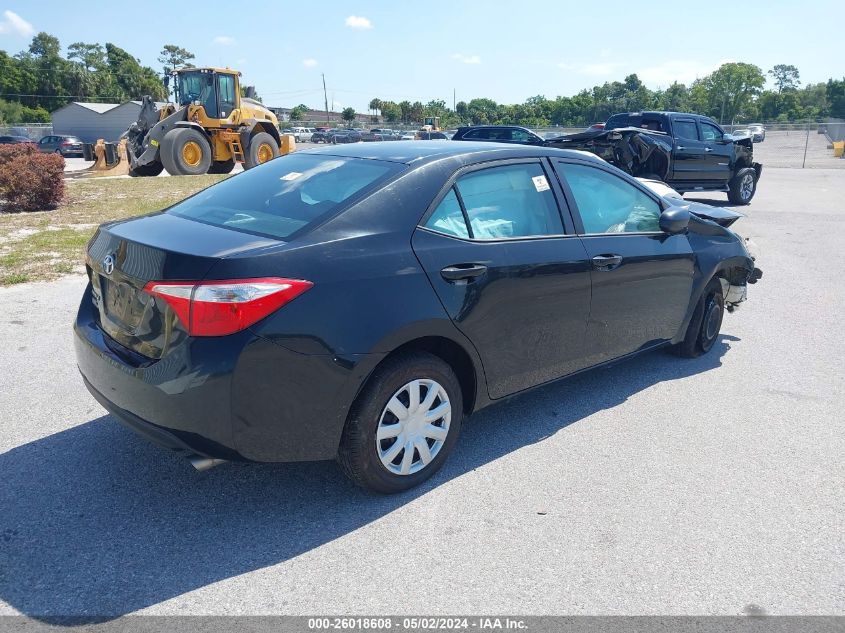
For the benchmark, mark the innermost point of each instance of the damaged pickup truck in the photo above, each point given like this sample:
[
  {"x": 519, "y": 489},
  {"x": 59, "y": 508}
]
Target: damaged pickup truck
[{"x": 689, "y": 152}]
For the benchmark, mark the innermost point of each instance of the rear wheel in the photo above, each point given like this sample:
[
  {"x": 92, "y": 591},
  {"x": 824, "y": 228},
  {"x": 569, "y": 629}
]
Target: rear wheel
[
  {"x": 222, "y": 166},
  {"x": 262, "y": 148},
  {"x": 403, "y": 425},
  {"x": 743, "y": 186},
  {"x": 150, "y": 169},
  {"x": 185, "y": 151},
  {"x": 703, "y": 329}
]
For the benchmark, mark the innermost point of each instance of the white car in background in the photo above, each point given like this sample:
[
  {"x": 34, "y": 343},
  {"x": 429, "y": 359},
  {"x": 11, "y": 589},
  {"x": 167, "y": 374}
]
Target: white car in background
[
  {"x": 408, "y": 136},
  {"x": 300, "y": 134}
]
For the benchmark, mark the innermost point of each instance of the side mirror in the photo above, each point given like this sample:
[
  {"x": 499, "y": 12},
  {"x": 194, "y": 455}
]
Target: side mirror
[{"x": 674, "y": 220}]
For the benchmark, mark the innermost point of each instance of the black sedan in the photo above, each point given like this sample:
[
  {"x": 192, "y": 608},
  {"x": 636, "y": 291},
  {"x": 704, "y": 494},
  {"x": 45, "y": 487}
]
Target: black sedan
[
  {"x": 15, "y": 140},
  {"x": 358, "y": 302},
  {"x": 498, "y": 134}
]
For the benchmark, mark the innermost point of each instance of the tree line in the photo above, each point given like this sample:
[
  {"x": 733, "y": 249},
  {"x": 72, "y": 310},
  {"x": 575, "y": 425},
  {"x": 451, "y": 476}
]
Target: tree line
[
  {"x": 731, "y": 94},
  {"x": 39, "y": 80}
]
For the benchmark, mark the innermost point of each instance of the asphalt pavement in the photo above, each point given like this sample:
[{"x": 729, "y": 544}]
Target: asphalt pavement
[{"x": 657, "y": 486}]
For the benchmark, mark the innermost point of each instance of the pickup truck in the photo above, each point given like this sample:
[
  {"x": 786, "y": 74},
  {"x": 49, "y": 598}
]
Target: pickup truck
[{"x": 689, "y": 152}]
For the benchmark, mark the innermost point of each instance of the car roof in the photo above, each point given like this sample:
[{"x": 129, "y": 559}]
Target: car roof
[{"x": 419, "y": 152}]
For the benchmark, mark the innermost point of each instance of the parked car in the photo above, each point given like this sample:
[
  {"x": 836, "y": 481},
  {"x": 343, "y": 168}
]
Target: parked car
[
  {"x": 379, "y": 134},
  {"x": 689, "y": 152},
  {"x": 498, "y": 134},
  {"x": 425, "y": 135},
  {"x": 345, "y": 135},
  {"x": 410, "y": 135},
  {"x": 741, "y": 133},
  {"x": 758, "y": 132},
  {"x": 64, "y": 145},
  {"x": 252, "y": 320},
  {"x": 320, "y": 135},
  {"x": 15, "y": 140},
  {"x": 300, "y": 134}
]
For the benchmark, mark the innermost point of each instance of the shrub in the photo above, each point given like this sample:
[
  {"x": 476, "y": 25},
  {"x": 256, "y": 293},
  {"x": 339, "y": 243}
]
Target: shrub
[{"x": 30, "y": 180}]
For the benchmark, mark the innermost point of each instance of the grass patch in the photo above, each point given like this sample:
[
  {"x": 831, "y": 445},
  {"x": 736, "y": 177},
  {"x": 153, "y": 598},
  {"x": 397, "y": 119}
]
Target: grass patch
[{"x": 43, "y": 245}]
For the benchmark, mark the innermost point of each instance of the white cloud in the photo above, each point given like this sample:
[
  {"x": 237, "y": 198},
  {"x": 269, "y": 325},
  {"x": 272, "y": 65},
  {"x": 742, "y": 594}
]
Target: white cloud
[
  {"x": 682, "y": 71},
  {"x": 15, "y": 24},
  {"x": 309, "y": 63},
  {"x": 467, "y": 59},
  {"x": 358, "y": 22},
  {"x": 224, "y": 40}
]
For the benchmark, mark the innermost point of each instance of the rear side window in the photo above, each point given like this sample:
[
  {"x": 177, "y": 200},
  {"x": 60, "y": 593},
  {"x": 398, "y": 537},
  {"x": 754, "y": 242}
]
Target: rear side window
[
  {"x": 608, "y": 204},
  {"x": 685, "y": 129},
  {"x": 477, "y": 134},
  {"x": 448, "y": 217},
  {"x": 285, "y": 195},
  {"x": 509, "y": 201}
]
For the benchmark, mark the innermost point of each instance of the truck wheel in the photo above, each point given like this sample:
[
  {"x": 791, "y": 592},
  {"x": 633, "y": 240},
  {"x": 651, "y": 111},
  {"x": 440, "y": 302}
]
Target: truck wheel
[
  {"x": 222, "y": 167},
  {"x": 262, "y": 148},
  {"x": 150, "y": 169},
  {"x": 185, "y": 152},
  {"x": 743, "y": 186}
]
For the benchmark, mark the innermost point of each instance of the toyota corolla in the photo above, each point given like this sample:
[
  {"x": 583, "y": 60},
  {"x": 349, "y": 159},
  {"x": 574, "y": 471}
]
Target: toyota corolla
[{"x": 358, "y": 302}]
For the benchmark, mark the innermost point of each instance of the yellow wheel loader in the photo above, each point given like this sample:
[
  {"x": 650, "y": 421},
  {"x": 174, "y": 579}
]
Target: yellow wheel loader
[{"x": 208, "y": 129}]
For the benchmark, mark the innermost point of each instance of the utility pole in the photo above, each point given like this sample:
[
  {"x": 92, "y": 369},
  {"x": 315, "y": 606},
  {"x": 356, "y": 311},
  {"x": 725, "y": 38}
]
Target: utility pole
[
  {"x": 326, "y": 99},
  {"x": 454, "y": 105}
]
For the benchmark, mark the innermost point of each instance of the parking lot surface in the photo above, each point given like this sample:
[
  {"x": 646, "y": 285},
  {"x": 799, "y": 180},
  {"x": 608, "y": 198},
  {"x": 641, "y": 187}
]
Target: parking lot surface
[{"x": 657, "y": 486}]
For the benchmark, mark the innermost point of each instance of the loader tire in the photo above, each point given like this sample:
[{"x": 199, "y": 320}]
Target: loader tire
[
  {"x": 150, "y": 169},
  {"x": 262, "y": 148},
  {"x": 185, "y": 152},
  {"x": 222, "y": 167}
]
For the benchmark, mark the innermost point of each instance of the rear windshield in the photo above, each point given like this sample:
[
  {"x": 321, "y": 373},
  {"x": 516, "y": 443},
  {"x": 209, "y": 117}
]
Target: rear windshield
[
  {"x": 286, "y": 195},
  {"x": 644, "y": 121}
]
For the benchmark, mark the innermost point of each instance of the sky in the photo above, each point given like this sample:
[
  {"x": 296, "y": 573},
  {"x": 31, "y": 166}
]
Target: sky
[{"x": 438, "y": 49}]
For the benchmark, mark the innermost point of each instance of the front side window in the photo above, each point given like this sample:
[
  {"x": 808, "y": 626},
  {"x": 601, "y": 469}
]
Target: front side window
[
  {"x": 509, "y": 201},
  {"x": 227, "y": 95},
  {"x": 710, "y": 132},
  {"x": 285, "y": 195},
  {"x": 608, "y": 204}
]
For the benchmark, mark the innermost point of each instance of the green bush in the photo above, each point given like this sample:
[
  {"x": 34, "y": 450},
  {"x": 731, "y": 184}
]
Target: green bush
[{"x": 30, "y": 180}]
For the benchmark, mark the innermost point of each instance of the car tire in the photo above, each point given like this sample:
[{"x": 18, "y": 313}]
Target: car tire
[
  {"x": 222, "y": 166},
  {"x": 262, "y": 149},
  {"x": 703, "y": 329},
  {"x": 394, "y": 463},
  {"x": 150, "y": 169},
  {"x": 185, "y": 151},
  {"x": 743, "y": 186}
]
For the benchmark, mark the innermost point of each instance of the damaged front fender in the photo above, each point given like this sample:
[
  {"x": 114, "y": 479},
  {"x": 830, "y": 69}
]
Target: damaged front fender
[{"x": 632, "y": 150}]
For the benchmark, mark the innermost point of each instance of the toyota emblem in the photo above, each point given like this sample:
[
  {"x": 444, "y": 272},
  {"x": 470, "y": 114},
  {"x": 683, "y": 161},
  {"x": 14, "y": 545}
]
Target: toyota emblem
[{"x": 108, "y": 264}]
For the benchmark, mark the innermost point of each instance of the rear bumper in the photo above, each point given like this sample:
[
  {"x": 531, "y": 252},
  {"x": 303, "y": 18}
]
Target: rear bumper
[{"x": 237, "y": 397}]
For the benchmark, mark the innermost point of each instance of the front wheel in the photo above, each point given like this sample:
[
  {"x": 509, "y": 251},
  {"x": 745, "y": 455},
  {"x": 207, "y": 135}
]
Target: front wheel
[
  {"x": 706, "y": 321},
  {"x": 404, "y": 425},
  {"x": 743, "y": 186},
  {"x": 262, "y": 148},
  {"x": 185, "y": 151}
]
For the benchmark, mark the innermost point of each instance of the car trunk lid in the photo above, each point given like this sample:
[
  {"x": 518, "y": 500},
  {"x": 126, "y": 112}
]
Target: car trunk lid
[{"x": 124, "y": 257}]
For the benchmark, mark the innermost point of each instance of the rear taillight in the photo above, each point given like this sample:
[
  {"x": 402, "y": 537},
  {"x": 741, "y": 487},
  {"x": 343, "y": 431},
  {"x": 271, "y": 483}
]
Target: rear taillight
[
  {"x": 66, "y": 144},
  {"x": 217, "y": 308}
]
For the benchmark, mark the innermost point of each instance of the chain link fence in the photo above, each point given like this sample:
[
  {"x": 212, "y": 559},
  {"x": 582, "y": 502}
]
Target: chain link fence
[{"x": 793, "y": 144}]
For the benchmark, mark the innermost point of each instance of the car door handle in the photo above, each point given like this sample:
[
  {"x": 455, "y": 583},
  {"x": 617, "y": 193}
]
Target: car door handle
[
  {"x": 708, "y": 149},
  {"x": 681, "y": 147},
  {"x": 607, "y": 262},
  {"x": 459, "y": 272}
]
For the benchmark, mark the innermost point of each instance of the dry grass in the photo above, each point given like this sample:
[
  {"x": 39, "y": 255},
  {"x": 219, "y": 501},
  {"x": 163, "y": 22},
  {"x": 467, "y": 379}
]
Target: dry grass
[{"x": 43, "y": 245}]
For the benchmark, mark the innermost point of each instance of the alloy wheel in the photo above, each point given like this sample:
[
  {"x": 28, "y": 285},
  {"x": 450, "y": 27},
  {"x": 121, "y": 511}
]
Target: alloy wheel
[{"x": 413, "y": 426}]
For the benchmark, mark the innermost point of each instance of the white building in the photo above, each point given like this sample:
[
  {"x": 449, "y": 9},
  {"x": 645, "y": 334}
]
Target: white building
[{"x": 92, "y": 121}]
